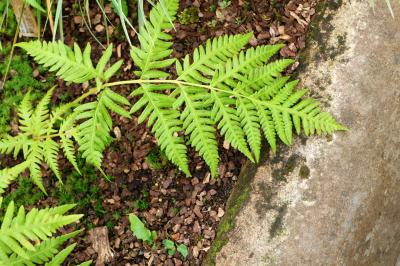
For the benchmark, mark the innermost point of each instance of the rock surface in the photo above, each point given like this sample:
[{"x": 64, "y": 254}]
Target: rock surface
[{"x": 334, "y": 201}]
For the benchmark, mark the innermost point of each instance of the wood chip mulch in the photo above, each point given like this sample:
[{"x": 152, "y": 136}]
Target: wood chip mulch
[{"x": 186, "y": 210}]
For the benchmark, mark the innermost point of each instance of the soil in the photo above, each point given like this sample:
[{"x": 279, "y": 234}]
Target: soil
[{"x": 185, "y": 210}]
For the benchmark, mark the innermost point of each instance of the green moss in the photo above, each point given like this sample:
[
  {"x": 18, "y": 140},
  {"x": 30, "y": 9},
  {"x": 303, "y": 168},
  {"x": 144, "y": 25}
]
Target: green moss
[
  {"x": 10, "y": 23},
  {"x": 281, "y": 173},
  {"x": 156, "y": 159},
  {"x": 213, "y": 8},
  {"x": 236, "y": 201},
  {"x": 304, "y": 172},
  {"x": 189, "y": 15},
  {"x": 277, "y": 225},
  {"x": 117, "y": 216},
  {"x": 26, "y": 193},
  {"x": 224, "y": 3},
  {"x": 110, "y": 225},
  {"x": 20, "y": 80}
]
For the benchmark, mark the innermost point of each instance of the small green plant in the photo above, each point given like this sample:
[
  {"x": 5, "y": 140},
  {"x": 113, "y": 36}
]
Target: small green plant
[
  {"x": 27, "y": 238},
  {"x": 156, "y": 159},
  {"x": 189, "y": 15},
  {"x": 220, "y": 87},
  {"x": 238, "y": 20},
  {"x": 140, "y": 231},
  {"x": 224, "y": 3},
  {"x": 141, "y": 204},
  {"x": 14, "y": 89},
  {"x": 213, "y": 8},
  {"x": 172, "y": 247}
]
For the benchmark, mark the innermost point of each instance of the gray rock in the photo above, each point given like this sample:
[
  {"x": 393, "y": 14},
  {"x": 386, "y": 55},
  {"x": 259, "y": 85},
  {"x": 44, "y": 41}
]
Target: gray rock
[{"x": 334, "y": 201}]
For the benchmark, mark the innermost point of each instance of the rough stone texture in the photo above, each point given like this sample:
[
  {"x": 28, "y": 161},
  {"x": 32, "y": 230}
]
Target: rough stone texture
[{"x": 335, "y": 201}]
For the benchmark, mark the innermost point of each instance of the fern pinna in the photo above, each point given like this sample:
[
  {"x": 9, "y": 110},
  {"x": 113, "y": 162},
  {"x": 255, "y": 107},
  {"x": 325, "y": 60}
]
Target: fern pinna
[
  {"x": 26, "y": 238},
  {"x": 221, "y": 87}
]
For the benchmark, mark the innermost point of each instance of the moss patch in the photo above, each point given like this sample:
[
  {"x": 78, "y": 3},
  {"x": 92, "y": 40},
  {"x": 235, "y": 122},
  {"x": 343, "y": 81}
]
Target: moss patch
[
  {"x": 20, "y": 80},
  {"x": 236, "y": 201},
  {"x": 189, "y": 15}
]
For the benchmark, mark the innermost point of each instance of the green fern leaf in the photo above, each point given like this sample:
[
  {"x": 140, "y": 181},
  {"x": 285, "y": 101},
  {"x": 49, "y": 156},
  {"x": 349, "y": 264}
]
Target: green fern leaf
[
  {"x": 25, "y": 111},
  {"x": 250, "y": 124},
  {"x": 155, "y": 48},
  {"x": 61, "y": 256},
  {"x": 165, "y": 124},
  {"x": 267, "y": 92},
  {"x": 41, "y": 115},
  {"x": 17, "y": 232},
  {"x": 34, "y": 158},
  {"x": 71, "y": 65},
  {"x": 228, "y": 75},
  {"x": 237, "y": 68},
  {"x": 8, "y": 175},
  {"x": 206, "y": 59},
  {"x": 13, "y": 145},
  {"x": 67, "y": 128},
  {"x": 93, "y": 134},
  {"x": 196, "y": 118},
  {"x": 155, "y": 43},
  {"x": 50, "y": 154},
  {"x": 267, "y": 126},
  {"x": 198, "y": 125},
  {"x": 44, "y": 251}
]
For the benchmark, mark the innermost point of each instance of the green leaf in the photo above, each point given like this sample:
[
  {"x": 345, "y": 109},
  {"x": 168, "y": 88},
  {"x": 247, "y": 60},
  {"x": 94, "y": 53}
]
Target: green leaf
[
  {"x": 168, "y": 244},
  {"x": 35, "y": 4},
  {"x": 183, "y": 250},
  {"x": 69, "y": 65},
  {"x": 139, "y": 230}
]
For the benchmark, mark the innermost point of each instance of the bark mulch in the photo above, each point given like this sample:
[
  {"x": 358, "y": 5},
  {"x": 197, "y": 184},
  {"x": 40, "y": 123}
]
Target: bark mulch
[{"x": 186, "y": 210}]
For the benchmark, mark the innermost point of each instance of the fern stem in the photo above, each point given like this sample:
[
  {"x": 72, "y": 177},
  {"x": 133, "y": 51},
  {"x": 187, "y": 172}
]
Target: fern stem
[
  {"x": 267, "y": 104},
  {"x": 85, "y": 95}
]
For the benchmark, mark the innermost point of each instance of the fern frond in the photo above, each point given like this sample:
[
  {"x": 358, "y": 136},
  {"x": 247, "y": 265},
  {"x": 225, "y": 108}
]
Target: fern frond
[
  {"x": 206, "y": 59},
  {"x": 93, "y": 133},
  {"x": 25, "y": 111},
  {"x": 228, "y": 121},
  {"x": 50, "y": 154},
  {"x": 16, "y": 233},
  {"x": 70, "y": 64},
  {"x": 285, "y": 110},
  {"x": 154, "y": 42},
  {"x": 155, "y": 48},
  {"x": 227, "y": 76},
  {"x": 67, "y": 129},
  {"x": 43, "y": 253},
  {"x": 261, "y": 78},
  {"x": 237, "y": 68},
  {"x": 13, "y": 145},
  {"x": 165, "y": 124},
  {"x": 61, "y": 256},
  {"x": 8, "y": 175},
  {"x": 197, "y": 124},
  {"x": 40, "y": 117},
  {"x": 34, "y": 158},
  {"x": 196, "y": 116},
  {"x": 247, "y": 112}
]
